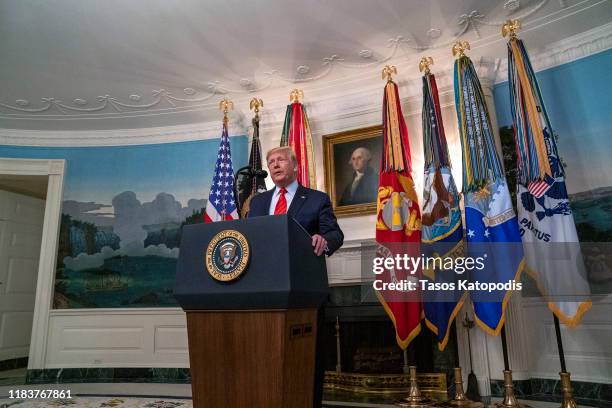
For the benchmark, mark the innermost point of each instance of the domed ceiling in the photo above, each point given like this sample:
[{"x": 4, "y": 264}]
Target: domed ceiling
[{"x": 117, "y": 64}]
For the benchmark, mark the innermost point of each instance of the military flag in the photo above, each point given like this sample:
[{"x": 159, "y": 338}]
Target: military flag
[
  {"x": 254, "y": 180},
  {"x": 221, "y": 203},
  {"x": 398, "y": 218},
  {"x": 297, "y": 134},
  {"x": 491, "y": 224},
  {"x": 552, "y": 252},
  {"x": 442, "y": 234}
]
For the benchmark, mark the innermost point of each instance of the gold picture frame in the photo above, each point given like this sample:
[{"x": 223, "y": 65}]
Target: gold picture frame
[{"x": 353, "y": 193}]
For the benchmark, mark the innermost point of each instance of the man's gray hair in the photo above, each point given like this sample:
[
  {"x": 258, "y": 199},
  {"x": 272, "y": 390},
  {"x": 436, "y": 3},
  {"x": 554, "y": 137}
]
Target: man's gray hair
[
  {"x": 367, "y": 155},
  {"x": 286, "y": 150}
]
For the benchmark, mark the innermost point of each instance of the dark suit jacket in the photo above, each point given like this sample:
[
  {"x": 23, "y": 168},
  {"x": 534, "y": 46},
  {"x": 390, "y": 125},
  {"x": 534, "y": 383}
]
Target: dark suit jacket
[{"x": 312, "y": 209}]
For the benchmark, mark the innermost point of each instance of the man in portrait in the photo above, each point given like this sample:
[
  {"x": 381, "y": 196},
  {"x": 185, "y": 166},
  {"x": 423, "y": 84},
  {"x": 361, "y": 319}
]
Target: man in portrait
[{"x": 364, "y": 184}]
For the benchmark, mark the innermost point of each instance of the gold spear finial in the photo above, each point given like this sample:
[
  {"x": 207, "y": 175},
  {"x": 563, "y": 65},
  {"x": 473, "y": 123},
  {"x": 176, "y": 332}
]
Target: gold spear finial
[
  {"x": 424, "y": 64},
  {"x": 296, "y": 95},
  {"x": 255, "y": 105},
  {"x": 226, "y": 105},
  {"x": 388, "y": 71},
  {"x": 459, "y": 48},
  {"x": 510, "y": 28}
]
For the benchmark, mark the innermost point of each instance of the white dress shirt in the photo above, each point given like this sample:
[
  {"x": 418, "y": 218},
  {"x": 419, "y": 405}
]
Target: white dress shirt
[{"x": 291, "y": 190}]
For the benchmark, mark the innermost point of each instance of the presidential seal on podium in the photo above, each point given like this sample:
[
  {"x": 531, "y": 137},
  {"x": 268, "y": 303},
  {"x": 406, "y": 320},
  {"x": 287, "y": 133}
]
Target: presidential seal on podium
[{"x": 227, "y": 255}]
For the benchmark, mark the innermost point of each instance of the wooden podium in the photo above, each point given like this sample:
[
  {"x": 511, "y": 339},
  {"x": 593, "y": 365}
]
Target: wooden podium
[{"x": 252, "y": 340}]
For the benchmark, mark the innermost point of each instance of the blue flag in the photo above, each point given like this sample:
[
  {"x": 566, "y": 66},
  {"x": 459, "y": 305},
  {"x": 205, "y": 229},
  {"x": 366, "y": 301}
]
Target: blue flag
[
  {"x": 442, "y": 234},
  {"x": 491, "y": 224}
]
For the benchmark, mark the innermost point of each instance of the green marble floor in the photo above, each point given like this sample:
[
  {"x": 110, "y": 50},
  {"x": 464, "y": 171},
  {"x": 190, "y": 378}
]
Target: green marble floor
[{"x": 13, "y": 377}]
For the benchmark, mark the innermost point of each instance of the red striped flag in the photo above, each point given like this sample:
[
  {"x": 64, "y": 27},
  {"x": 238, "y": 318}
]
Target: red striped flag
[
  {"x": 221, "y": 203},
  {"x": 296, "y": 133}
]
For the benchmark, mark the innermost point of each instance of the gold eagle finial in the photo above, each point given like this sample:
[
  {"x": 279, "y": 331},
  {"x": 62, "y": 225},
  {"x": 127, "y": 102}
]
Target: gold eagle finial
[
  {"x": 425, "y": 63},
  {"x": 296, "y": 95},
  {"x": 226, "y": 105},
  {"x": 459, "y": 48},
  {"x": 255, "y": 105},
  {"x": 388, "y": 72},
  {"x": 510, "y": 28}
]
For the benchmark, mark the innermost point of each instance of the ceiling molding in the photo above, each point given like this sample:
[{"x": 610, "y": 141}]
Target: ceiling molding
[
  {"x": 117, "y": 137},
  {"x": 331, "y": 108},
  {"x": 165, "y": 103},
  {"x": 162, "y": 101},
  {"x": 327, "y": 103}
]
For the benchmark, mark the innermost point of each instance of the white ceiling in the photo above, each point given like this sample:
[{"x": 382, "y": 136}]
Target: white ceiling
[{"x": 74, "y": 64}]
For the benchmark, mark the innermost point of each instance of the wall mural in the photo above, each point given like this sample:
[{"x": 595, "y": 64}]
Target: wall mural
[
  {"x": 580, "y": 118},
  {"x": 122, "y": 214}
]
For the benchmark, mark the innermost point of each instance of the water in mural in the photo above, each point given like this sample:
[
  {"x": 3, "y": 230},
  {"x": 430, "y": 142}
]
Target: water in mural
[
  {"x": 123, "y": 254},
  {"x": 122, "y": 215},
  {"x": 593, "y": 215}
]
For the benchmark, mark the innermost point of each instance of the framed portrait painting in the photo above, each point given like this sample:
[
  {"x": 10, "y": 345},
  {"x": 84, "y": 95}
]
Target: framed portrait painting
[{"x": 352, "y": 162}]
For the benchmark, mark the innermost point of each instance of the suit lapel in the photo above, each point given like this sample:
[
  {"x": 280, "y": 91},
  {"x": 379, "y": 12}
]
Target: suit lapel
[
  {"x": 298, "y": 201},
  {"x": 268, "y": 199}
]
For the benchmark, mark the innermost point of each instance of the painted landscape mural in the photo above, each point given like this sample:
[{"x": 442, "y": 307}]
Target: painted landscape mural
[{"x": 122, "y": 214}]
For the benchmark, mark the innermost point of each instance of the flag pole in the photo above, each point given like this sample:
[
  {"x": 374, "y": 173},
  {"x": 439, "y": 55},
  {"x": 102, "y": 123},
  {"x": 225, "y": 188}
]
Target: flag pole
[
  {"x": 509, "y": 29},
  {"x": 505, "y": 349},
  {"x": 225, "y": 105},
  {"x": 414, "y": 398},
  {"x": 253, "y": 169},
  {"x": 297, "y": 133},
  {"x": 566, "y": 384},
  {"x": 222, "y": 204},
  {"x": 473, "y": 173},
  {"x": 296, "y": 95},
  {"x": 436, "y": 157},
  {"x": 559, "y": 343},
  {"x": 509, "y": 397}
]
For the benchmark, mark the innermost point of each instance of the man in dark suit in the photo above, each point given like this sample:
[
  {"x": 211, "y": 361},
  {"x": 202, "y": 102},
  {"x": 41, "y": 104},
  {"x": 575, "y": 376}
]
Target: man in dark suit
[
  {"x": 312, "y": 209},
  {"x": 363, "y": 187}
]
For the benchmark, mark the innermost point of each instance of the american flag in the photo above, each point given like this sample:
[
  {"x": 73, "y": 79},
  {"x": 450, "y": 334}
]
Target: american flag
[{"x": 221, "y": 203}]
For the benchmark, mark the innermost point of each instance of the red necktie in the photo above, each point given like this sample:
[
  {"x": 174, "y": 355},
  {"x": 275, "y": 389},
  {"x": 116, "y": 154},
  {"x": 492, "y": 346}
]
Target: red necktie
[{"x": 281, "y": 205}]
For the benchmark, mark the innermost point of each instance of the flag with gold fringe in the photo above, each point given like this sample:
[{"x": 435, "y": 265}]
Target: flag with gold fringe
[
  {"x": 442, "y": 233},
  {"x": 297, "y": 134},
  {"x": 221, "y": 204},
  {"x": 398, "y": 219},
  {"x": 254, "y": 180},
  {"x": 490, "y": 221},
  {"x": 552, "y": 251}
]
